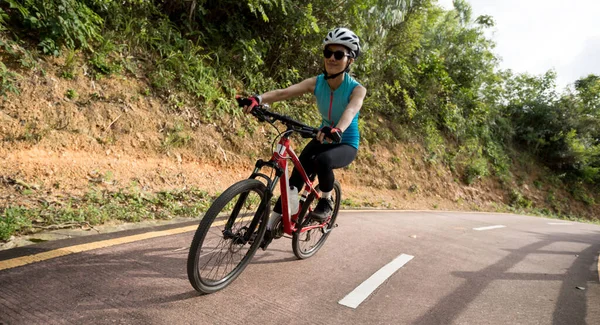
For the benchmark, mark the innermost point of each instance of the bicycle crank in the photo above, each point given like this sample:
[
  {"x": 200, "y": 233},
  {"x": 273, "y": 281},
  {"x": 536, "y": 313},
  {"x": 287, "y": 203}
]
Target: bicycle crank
[
  {"x": 274, "y": 231},
  {"x": 276, "y": 226}
]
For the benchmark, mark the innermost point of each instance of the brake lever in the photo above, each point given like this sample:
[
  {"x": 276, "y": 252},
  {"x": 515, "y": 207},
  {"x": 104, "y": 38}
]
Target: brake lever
[{"x": 260, "y": 117}]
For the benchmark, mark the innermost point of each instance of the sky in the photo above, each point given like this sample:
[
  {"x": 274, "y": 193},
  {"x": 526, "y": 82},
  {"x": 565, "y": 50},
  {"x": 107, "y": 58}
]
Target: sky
[{"x": 535, "y": 36}]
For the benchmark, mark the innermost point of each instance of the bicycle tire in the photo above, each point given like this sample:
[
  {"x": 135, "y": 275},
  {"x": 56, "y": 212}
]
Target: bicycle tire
[
  {"x": 207, "y": 233},
  {"x": 300, "y": 240}
]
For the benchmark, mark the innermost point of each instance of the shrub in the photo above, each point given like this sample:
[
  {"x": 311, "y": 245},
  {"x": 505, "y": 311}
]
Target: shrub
[
  {"x": 56, "y": 23},
  {"x": 518, "y": 200},
  {"x": 8, "y": 81},
  {"x": 12, "y": 220},
  {"x": 71, "y": 94}
]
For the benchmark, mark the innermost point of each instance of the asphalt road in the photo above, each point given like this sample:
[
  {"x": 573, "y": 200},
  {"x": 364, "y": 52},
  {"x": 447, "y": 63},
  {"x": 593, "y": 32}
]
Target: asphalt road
[{"x": 465, "y": 269}]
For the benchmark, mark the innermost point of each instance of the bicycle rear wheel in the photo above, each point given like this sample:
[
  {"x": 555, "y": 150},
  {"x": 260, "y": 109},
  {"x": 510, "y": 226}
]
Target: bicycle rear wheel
[
  {"x": 306, "y": 244},
  {"x": 228, "y": 236}
]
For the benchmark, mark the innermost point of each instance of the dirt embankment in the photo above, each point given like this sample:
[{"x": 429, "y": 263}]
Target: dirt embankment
[{"x": 62, "y": 137}]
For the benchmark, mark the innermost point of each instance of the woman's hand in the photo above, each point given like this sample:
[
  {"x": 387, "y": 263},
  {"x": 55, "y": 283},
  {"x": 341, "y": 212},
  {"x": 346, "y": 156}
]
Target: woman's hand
[
  {"x": 248, "y": 103},
  {"x": 332, "y": 134}
]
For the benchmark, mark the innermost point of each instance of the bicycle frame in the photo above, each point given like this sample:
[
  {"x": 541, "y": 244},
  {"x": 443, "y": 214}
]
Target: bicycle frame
[{"x": 279, "y": 162}]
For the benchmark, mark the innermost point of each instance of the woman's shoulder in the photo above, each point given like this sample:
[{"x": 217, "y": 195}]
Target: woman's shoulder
[
  {"x": 351, "y": 80},
  {"x": 352, "y": 84},
  {"x": 319, "y": 79}
]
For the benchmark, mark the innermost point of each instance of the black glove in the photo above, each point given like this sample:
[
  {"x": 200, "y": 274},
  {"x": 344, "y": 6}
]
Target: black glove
[
  {"x": 251, "y": 102},
  {"x": 334, "y": 134}
]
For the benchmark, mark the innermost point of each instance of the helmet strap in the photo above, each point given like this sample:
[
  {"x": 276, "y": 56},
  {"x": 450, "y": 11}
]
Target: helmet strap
[{"x": 332, "y": 76}]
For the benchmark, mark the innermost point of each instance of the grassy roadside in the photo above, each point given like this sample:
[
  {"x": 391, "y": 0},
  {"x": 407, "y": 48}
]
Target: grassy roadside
[{"x": 98, "y": 207}]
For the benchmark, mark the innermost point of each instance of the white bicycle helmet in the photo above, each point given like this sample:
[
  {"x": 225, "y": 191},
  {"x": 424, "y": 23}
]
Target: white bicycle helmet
[{"x": 345, "y": 37}]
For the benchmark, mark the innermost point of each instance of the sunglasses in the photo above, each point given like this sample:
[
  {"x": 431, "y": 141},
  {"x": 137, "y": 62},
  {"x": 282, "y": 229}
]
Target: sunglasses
[{"x": 338, "y": 55}]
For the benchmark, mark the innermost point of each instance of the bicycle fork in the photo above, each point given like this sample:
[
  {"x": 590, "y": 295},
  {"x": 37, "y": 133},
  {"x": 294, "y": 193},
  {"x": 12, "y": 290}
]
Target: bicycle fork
[{"x": 246, "y": 234}]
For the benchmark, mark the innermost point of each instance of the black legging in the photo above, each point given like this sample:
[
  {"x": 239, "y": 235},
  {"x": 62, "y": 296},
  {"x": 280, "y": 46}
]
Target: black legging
[{"x": 321, "y": 159}]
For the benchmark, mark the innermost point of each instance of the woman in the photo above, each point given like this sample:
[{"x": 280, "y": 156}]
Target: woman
[{"x": 339, "y": 99}]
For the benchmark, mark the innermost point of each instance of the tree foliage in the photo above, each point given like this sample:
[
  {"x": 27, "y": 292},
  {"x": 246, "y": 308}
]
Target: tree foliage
[
  {"x": 429, "y": 70},
  {"x": 56, "y": 23}
]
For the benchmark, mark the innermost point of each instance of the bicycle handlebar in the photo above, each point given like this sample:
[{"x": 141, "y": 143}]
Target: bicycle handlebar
[{"x": 264, "y": 115}]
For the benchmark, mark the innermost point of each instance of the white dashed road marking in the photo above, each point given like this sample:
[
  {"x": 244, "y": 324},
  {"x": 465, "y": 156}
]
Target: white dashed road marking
[
  {"x": 490, "y": 227},
  {"x": 358, "y": 295},
  {"x": 560, "y": 223}
]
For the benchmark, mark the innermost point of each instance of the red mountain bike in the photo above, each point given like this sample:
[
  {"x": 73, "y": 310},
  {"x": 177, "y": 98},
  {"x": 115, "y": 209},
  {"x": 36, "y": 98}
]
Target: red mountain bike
[{"x": 237, "y": 223}]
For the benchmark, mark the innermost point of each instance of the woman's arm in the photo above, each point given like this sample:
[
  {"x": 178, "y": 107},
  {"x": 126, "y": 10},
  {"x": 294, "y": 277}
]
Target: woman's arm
[
  {"x": 301, "y": 88},
  {"x": 356, "y": 100}
]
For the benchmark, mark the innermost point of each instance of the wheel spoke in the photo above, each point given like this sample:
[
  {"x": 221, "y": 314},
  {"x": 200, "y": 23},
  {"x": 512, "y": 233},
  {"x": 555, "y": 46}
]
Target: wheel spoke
[
  {"x": 220, "y": 256},
  {"x": 307, "y": 243}
]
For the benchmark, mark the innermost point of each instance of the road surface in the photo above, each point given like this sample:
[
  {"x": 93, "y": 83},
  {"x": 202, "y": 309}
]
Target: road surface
[{"x": 450, "y": 268}]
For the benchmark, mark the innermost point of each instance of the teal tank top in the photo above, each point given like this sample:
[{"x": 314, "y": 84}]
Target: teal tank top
[{"x": 332, "y": 104}]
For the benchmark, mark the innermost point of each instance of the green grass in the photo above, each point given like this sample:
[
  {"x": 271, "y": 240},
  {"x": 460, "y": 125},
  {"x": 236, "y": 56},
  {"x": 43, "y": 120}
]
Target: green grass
[
  {"x": 14, "y": 220},
  {"x": 175, "y": 137},
  {"x": 523, "y": 206},
  {"x": 98, "y": 207},
  {"x": 68, "y": 71},
  {"x": 8, "y": 81},
  {"x": 71, "y": 94},
  {"x": 349, "y": 203},
  {"x": 32, "y": 133},
  {"x": 546, "y": 213},
  {"x": 518, "y": 200}
]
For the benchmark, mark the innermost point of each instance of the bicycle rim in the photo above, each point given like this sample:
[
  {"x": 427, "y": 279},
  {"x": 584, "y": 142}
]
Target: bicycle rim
[
  {"x": 306, "y": 244},
  {"x": 219, "y": 253}
]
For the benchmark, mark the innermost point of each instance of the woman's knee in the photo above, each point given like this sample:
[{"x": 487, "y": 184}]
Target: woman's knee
[{"x": 324, "y": 162}]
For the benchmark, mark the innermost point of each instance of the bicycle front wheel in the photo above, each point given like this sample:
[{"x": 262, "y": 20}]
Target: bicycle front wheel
[
  {"x": 306, "y": 243},
  {"x": 228, "y": 236}
]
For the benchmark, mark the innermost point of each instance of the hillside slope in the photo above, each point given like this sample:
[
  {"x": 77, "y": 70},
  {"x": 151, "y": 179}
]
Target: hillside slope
[{"x": 63, "y": 138}]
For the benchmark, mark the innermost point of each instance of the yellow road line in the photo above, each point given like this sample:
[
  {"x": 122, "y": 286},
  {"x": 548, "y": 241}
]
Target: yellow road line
[{"x": 24, "y": 260}]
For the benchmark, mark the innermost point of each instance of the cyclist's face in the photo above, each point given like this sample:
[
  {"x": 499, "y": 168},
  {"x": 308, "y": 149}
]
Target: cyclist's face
[{"x": 332, "y": 64}]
